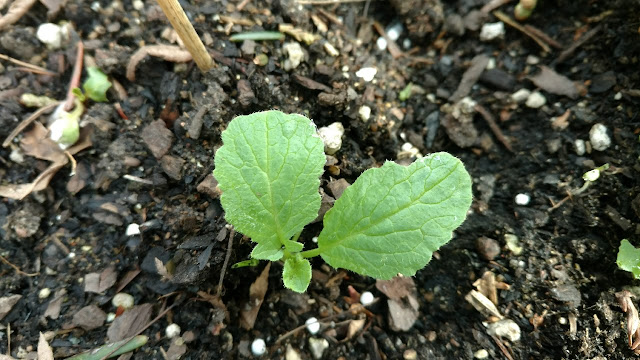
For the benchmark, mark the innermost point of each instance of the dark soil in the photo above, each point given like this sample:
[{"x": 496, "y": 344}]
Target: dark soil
[{"x": 561, "y": 283}]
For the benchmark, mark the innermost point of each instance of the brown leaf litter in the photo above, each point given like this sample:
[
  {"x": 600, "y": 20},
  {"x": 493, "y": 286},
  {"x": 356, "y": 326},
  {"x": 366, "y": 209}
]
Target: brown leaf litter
[
  {"x": 37, "y": 143},
  {"x": 257, "y": 292}
]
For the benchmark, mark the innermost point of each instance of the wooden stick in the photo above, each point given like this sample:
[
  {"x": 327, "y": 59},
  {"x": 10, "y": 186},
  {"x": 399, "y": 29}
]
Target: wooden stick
[{"x": 187, "y": 33}]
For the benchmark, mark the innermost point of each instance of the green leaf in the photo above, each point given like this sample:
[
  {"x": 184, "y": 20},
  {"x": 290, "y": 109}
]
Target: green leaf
[
  {"x": 629, "y": 258},
  {"x": 296, "y": 273},
  {"x": 96, "y": 85},
  {"x": 393, "y": 218},
  {"x": 268, "y": 170}
]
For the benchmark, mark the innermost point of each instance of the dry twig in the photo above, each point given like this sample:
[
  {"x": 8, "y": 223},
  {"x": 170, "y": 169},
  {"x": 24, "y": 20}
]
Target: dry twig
[
  {"x": 24, "y": 123},
  {"x": 16, "y": 268},
  {"x": 17, "y": 9},
  {"x": 187, "y": 33},
  {"x": 28, "y": 67},
  {"x": 506, "y": 19},
  {"x": 165, "y": 52},
  {"x": 494, "y": 126}
]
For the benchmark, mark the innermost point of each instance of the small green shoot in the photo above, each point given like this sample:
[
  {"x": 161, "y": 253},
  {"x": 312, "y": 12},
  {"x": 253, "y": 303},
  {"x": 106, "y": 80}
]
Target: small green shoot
[
  {"x": 629, "y": 258},
  {"x": 114, "y": 349},
  {"x": 405, "y": 93},
  {"x": 246, "y": 263},
  {"x": 65, "y": 125},
  {"x": 389, "y": 221},
  {"x": 96, "y": 85},
  {"x": 524, "y": 9}
]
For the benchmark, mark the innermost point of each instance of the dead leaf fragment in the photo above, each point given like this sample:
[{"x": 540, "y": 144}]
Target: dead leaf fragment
[
  {"x": 403, "y": 302},
  {"x": 7, "y": 303},
  {"x": 129, "y": 323},
  {"x": 100, "y": 282},
  {"x": 396, "y": 288},
  {"x": 176, "y": 349},
  {"x": 554, "y": 83},
  {"x": 53, "y": 309},
  {"x": 53, "y": 6},
  {"x": 89, "y": 317},
  {"x": 633, "y": 321},
  {"x": 257, "y": 291},
  {"x": 45, "y": 352},
  {"x": 36, "y": 143}
]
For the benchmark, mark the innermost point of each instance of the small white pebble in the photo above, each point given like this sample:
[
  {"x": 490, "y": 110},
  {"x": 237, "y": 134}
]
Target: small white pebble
[
  {"x": 138, "y": 4},
  {"x": 366, "y": 298},
  {"x": 491, "y": 64},
  {"x": 330, "y": 49},
  {"x": 110, "y": 317},
  {"x": 313, "y": 326},
  {"x": 406, "y": 43},
  {"x": 481, "y": 354},
  {"x": 381, "y": 43},
  {"x": 562, "y": 320},
  {"x": 16, "y": 156},
  {"x": 536, "y": 100},
  {"x": 314, "y": 239},
  {"x": 364, "y": 112},
  {"x": 367, "y": 73},
  {"x": 599, "y": 138},
  {"x": 532, "y": 60},
  {"x": 50, "y": 35},
  {"x": 522, "y": 199},
  {"x": 122, "y": 299},
  {"x": 71, "y": 255},
  {"x": 505, "y": 328},
  {"x": 580, "y": 147},
  {"x": 394, "y": 31},
  {"x": 44, "y": 293},
  {"x": 172, "y": 331},
  {"x": 491, "y": 31},
  {"x": 331, "y": 137},
  {"x": 133, "y": 229},
  {"x": 520, "y": 95},
  {"x": 617, "y": 96},
  {"x": 258, "y": 347},
  {"x": 295, "y": 55}
]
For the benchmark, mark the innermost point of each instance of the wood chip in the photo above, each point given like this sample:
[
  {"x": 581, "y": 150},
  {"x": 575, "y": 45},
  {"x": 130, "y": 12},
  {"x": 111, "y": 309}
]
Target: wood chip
[{"x": 482, "y": 304}]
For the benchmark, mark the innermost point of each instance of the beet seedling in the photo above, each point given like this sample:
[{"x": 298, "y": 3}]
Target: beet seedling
[{"x": 389, "y": 221}]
